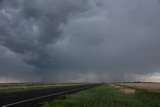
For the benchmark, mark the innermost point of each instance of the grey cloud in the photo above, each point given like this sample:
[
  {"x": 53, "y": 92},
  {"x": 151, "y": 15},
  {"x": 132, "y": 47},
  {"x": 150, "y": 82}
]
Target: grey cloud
[
  {"x": 98, "y": 39},
  {"x": 33, "y": 24},
  {"x": 27, "y": 27},
  {"x": 114, "y": 38}
]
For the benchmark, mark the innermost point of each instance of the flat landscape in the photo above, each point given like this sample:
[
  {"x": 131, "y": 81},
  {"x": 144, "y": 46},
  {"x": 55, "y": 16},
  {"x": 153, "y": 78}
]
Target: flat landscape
[
  {"x": 35, "y": 97},
  {"x": 90, "y": 95},
  {"x": 79, "y": 53},
  {"x": 111, "y": 95}
]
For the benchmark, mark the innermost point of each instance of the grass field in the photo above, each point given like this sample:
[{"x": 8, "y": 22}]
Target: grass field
[
  {"x": 9, "y": 88},
  {"x": 108, "y": 95},
  {"x": 147, "y": 86}
]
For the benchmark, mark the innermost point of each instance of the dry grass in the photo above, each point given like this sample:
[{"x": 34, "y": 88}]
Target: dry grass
[{"x": 148, "y": 86}]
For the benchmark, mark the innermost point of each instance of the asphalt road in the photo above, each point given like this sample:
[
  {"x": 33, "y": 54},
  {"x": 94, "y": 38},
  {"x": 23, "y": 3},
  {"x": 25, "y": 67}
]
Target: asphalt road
[{"x": 34, "y": 98}]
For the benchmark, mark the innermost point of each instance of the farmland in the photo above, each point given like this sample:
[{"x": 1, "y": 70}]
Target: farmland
[{"x": 109, "y": 95}]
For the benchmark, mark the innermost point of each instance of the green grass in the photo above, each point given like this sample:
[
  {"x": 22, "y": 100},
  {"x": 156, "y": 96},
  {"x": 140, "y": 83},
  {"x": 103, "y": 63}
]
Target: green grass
[{"x": 107, "y": 96}]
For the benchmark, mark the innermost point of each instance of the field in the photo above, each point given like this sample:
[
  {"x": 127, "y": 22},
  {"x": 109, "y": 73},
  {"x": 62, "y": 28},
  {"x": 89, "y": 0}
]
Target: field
[
  {"x": 108, "y": 95},
  {"x": 17, "y": 87},
  {"x": 147, "y": 86}
]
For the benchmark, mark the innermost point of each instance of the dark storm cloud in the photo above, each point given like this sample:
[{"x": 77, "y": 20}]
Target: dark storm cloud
[
  {"x": 33, "y": 24},
  {"x": 27, "y": 26},
  {"x": 79, "y": 40}
]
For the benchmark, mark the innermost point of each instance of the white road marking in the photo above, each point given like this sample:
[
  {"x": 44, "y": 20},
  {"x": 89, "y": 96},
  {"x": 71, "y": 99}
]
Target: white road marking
[{"x": 45, "y": 96}]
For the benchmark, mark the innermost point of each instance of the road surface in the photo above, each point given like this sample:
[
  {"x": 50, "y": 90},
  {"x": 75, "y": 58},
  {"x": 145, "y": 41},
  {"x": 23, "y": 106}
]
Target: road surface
[{"x": 34, "y": 98}]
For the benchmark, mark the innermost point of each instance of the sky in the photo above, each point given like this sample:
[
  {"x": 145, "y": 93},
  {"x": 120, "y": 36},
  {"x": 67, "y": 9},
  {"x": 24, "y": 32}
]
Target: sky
[{"x": 79, "y": 40}]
